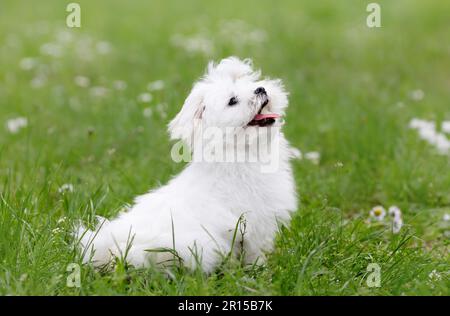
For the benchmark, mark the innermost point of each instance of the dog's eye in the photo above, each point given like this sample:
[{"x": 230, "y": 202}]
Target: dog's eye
[{"x": 232, "y": 101}]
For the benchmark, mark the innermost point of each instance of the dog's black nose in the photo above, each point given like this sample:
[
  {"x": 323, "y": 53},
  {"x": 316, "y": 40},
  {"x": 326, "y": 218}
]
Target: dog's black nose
[{"x": 260, "y": 90}]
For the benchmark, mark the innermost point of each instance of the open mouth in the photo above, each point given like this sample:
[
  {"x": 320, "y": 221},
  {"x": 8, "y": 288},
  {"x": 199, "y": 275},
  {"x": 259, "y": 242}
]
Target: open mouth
[{"x": 263, "y": 119}]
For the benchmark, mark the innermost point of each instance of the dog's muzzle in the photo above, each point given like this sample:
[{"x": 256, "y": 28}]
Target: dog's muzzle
[{"x": 266, "y": 119}]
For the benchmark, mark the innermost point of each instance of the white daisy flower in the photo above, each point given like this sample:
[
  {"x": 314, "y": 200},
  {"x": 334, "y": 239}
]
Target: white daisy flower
[
  {"x": 296, "y": 153},
  {"x": 161, "y": 109},
  {"x": 422, "y": 124},
  {"x": 27, "y": 63},
  {"x": 99, "y": 91},
  {"x": 446, "y": 217},
  {"x": 82, "y": 81},
  {"x": 103, "y": 47},
  {"x": 147, "y": 112},
  {"x": 313, "y": 156},
  {"x": 145, "y": 97},
  {"x": 16, "y": 124},
  {"x": 51, "y": 49},
  {"x": 416, "y": 123},
  {"x": 442, "y": 143},
  {"x": 196, "y": 44},
  {"x": 119, "y": 85},
  {"x": 446, "y": 127},
  {"x": 397, "y": 224},
  {"x": 156, "y": 85},
  {"x": 239, "y": 32},
  {"x": 394, "y": 211},
  {"x": 378, "y": 213},
  {"x": 67, "y": 187},
  {"x": 38, "y": 82},
  {"x": 83, "y": 48},
  {"x": 64, "y": 36},
  {"x": 400, "y": 104},
  {"x": 257, "y": 36},
  {"x": 417, "y": 95},
  {"x": 427, "y": 132}
]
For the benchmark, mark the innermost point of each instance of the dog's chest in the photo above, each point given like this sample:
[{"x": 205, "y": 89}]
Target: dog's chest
[{"x": 246, "y": 190}]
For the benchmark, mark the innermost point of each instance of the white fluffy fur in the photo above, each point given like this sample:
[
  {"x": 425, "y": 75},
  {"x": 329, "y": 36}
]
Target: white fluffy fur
[{"x": 201, "y": 206}]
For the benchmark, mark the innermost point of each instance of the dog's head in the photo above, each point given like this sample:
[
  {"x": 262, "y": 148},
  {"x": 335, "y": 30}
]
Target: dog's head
[{"x": 230, "y": 95}]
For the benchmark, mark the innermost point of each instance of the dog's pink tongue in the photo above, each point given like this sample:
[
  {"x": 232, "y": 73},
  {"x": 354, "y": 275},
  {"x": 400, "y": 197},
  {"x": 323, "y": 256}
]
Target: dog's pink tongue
[{"x": 259, "y": 117}]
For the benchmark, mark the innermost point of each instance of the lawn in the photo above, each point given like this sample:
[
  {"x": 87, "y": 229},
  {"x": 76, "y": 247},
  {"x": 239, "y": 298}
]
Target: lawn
[{"x": 93, "y": 104}]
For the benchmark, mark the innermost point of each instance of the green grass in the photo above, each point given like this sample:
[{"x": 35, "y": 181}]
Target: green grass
[{"x": 346, "y": 82}]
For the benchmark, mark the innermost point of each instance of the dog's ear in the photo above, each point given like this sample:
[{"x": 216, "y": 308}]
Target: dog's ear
[{"x": 184, "y": 124}]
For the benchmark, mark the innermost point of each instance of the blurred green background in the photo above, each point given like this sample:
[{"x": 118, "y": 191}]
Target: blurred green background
[{"x": 97, "y": 100}]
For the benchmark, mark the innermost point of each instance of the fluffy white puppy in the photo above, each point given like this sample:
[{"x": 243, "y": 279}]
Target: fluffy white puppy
[{"x": 225, "y": 205}]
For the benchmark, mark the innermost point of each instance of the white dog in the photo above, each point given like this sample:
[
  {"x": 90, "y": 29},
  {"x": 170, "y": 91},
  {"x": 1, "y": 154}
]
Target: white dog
[{"x": 200, "y": 214}]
